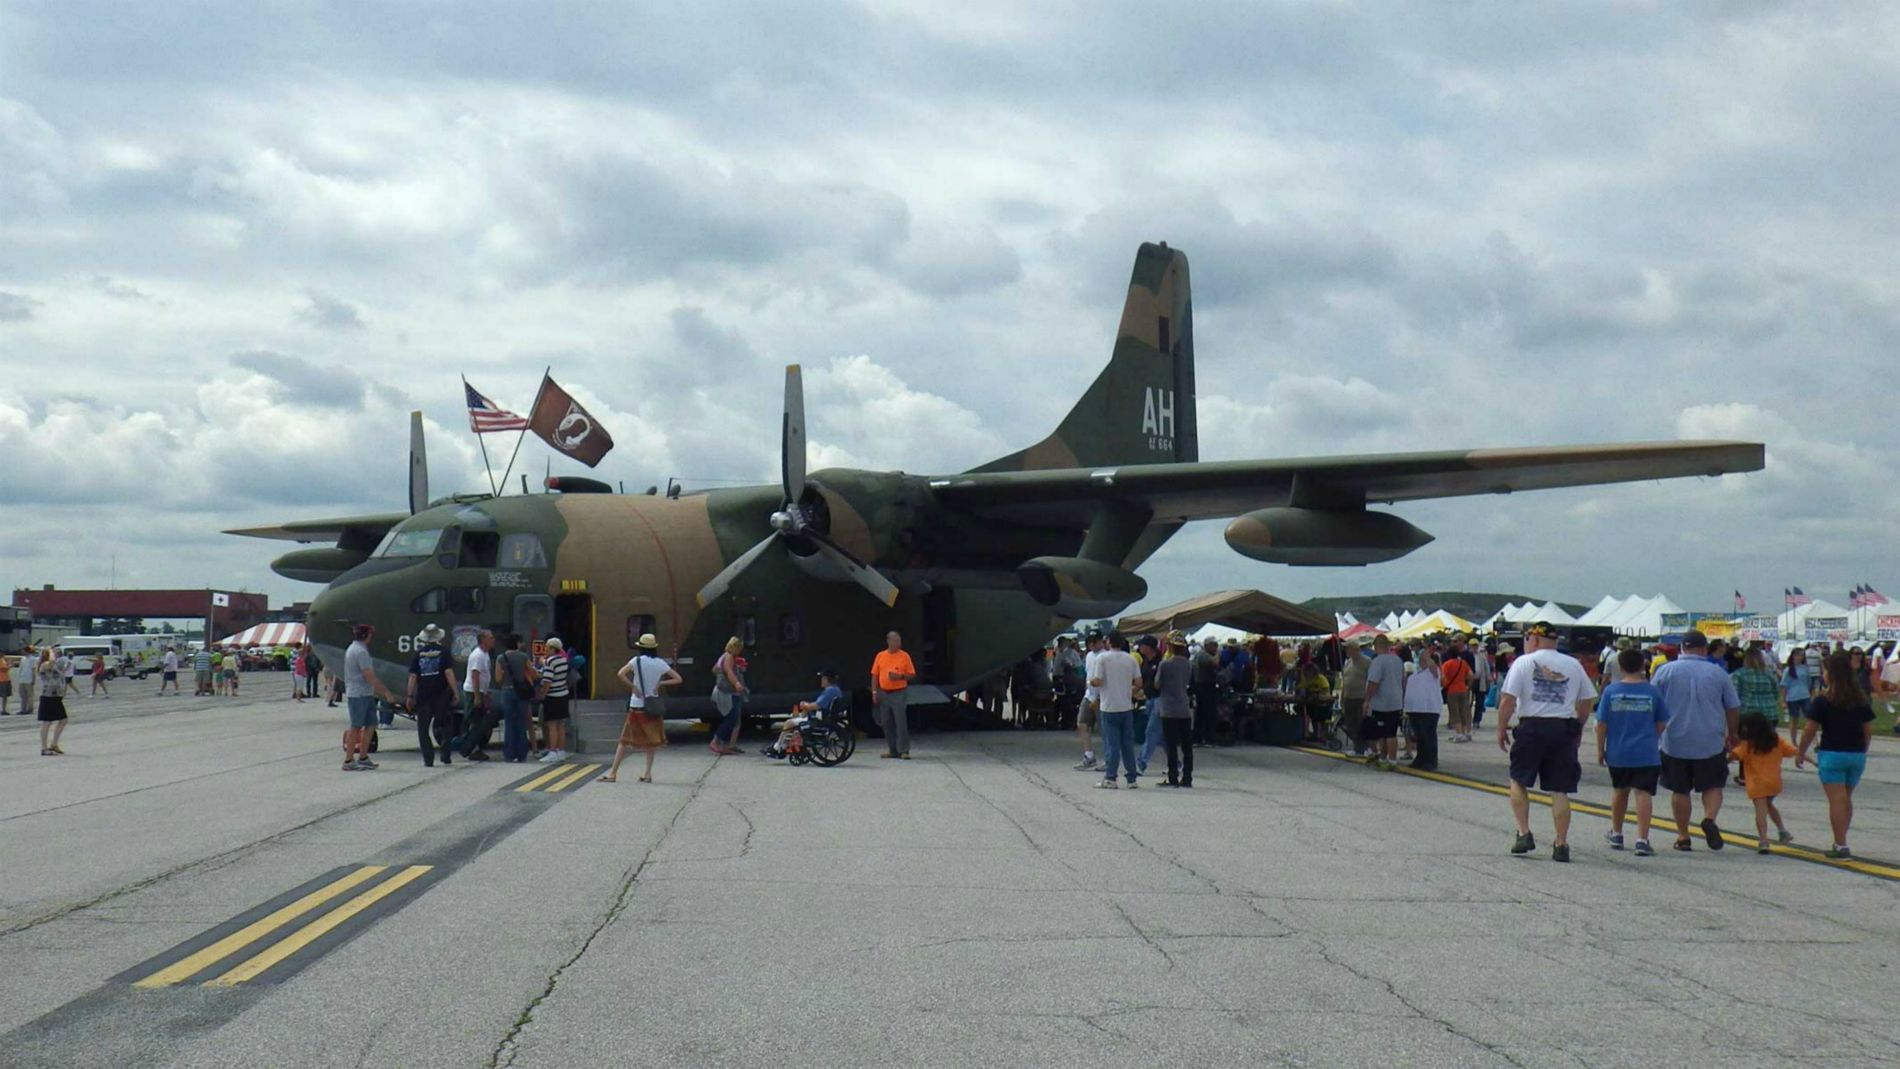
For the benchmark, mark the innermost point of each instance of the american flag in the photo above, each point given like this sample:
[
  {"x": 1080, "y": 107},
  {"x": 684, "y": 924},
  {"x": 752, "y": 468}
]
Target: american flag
[
  {"x": 487, "y": 417},
  {"x": 1795, "y": 597},
  {"x": 1866, "y": 597}
]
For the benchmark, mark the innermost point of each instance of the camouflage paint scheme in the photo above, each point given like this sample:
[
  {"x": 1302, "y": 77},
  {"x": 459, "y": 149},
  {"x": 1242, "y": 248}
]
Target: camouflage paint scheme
[{"x": 1107, "y": 489}]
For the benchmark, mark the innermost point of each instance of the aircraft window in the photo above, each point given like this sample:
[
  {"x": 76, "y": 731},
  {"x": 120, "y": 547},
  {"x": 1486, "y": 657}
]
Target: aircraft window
[
  {"x": 480, "y": 549},
  {"x": 430, "y": 601},
  {"x": 522, "y": 551},
  {"x": 637, "y": 625},
  {"x": 467, "y": 599},
  {"x": 410, "y": 543},
  {"x": 791, "y": 630}
]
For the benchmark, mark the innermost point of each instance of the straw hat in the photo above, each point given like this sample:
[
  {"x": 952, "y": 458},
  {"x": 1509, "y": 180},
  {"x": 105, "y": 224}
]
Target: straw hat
[
  {"x": 430, "y": 633},
  {"x": 648, "y": 642}
]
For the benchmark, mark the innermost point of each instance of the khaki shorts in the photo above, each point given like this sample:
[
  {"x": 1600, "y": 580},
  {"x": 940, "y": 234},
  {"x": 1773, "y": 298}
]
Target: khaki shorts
[{"x": 1088, "y": 714}]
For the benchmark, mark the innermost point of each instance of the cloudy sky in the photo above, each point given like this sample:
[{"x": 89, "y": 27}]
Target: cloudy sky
[{"x": 240, "y": 241}]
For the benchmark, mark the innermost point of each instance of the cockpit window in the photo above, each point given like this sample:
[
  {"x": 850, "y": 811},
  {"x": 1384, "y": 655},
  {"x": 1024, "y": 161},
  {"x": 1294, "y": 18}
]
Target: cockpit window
[
  {"x": 522, "y": 550},
  {"x": 479, "y": 549},
  {"x": 414, "y": 542}
]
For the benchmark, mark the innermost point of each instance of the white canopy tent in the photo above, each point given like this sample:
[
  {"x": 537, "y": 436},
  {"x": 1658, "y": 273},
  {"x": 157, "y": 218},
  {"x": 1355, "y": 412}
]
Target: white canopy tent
[
  {"x": 1605, "y": 609},
  {"x": 1548, "y": 613}
]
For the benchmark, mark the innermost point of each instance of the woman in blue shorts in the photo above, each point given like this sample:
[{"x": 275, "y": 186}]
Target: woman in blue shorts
[
  {"x": 1796, "y": 686},
  {"x": 1844, "y": 718}
]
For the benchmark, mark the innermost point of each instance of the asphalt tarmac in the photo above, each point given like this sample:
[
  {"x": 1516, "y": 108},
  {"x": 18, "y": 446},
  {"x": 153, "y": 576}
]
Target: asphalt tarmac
[{"x": 197, "y": 884}]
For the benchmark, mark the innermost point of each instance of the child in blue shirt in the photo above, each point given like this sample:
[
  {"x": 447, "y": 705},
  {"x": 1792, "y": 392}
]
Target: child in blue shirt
[{"x": 1630, "y": 719}]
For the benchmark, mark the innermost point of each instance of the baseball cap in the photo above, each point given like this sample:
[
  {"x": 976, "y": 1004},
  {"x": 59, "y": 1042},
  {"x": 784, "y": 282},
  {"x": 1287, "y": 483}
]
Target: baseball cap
[{"x": 1542, "y": 630}]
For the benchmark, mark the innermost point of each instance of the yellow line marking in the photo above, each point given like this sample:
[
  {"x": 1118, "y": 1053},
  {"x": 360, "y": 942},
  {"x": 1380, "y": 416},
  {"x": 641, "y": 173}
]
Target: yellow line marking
[
  {"x": 250, "y": 933},
  {"x": 580, "y": 774},
  {"x": 543, "y": 779},
  {"x": 1662, "y": 819},
  {"x": 322, "y": 926}
]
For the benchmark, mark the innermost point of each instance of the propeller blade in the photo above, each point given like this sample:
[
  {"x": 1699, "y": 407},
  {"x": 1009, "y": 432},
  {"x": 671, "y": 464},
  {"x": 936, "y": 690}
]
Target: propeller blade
[
  {"x": 861, "y": 573},
  {"x": 792, "y": 443},
  {"x": 418, "y": 467},
  {"x": 712, "y": 591}
]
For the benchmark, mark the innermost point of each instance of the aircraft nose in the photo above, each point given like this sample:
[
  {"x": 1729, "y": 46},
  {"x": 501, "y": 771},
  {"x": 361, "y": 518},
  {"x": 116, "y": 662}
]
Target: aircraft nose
[{"x": 331, "y": 615}]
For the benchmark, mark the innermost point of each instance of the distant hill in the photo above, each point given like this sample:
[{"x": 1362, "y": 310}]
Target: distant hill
[{"x": 1371, "y": 608}]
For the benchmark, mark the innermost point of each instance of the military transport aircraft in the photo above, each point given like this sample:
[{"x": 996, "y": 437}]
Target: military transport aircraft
[{"x": 975, "y": 569}]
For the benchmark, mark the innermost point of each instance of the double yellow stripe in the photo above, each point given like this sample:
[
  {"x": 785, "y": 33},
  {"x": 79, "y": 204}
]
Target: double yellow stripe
[
  {"x": 1663, "y": 820},
  {"x": 322, "y": 926},
  {"x": 232, "y": 944},
  {"x": 568, "y": 775}
]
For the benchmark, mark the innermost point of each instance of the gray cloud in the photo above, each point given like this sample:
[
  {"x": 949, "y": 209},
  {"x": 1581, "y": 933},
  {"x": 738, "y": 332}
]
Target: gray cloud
[
  {"x": 300, "y": 382},
  {"x": 16, "y": 308},
  {"x": 330, "y": 313}
]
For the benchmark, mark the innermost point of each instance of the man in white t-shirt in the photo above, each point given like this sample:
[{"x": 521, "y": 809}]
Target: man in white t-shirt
[
  {"x": 1549, "y": 695},
  {"x": 1091, "y": 703},
  {"x": 1114, "y": 677},
  {"x": 169, "y": 670},
  {"x": 478, "y": 685}
]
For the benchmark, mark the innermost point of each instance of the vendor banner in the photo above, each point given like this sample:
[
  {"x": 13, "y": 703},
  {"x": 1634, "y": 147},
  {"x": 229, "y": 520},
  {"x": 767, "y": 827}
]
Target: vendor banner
[
  {"x": 1826, "y": 629},
  {"x": 1675, "y": 621},
  {"x": 1887, "y": 628},
  {"x": 1716, "y": 627},
  {"x": 1761, "y": 629}
]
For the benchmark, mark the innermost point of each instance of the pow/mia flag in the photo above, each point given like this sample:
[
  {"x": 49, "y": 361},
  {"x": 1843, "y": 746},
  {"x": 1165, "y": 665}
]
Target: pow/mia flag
[{"x": 561, "y": 422}]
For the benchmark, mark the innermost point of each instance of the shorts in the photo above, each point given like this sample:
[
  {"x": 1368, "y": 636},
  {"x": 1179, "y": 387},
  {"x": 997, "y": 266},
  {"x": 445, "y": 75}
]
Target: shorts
[
  {"x": 1834, "y": 766},
  {"x": 203, "y": 677},
  {"x": 1693, "y": 775},
  {"x": 1086, "y": 716},
  {"x": 1798, "y": 710},
  {"x": 6, "y": 690},
  {"x": 1635, "y": 778},
  {"x": 170, "y": 677},
  {"x": 553, "y": 709},
  {"x": 1544, "y": 753},
  {"x": 1381, "y": 724},
  {"x": 53, "y": 708},
  {"x": 362, "y": 712}
]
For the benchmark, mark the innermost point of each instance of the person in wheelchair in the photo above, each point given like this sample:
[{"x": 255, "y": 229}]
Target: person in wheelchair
[{"x": 828, "y": 699}]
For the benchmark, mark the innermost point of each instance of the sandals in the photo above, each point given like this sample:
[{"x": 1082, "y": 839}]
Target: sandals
[
  {"x": 609, "y": 778},
  {"x": 646, "y": 779}
]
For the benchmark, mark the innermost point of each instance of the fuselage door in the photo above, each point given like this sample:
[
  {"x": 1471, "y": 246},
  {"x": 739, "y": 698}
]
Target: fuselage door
[{"x": 534, "y": 617}]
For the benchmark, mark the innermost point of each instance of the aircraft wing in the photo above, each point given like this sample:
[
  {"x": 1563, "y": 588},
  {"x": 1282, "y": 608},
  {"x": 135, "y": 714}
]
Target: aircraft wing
[
  {"x": 1214, "y": 489},
  {"x": 369, "y": 528}
]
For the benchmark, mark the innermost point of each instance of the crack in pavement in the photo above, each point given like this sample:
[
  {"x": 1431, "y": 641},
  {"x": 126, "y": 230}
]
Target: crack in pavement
[
  {"x": 1416, "y": 1010},
  {"x": 1041, "y": 851},
  {"x": 167, "y": 783},
  {"x": 503, "y": 1056},
  {"x": 209, "y": 863}
]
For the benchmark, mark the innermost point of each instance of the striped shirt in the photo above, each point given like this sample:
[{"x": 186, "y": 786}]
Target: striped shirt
[{"x": 555, "y": 672}]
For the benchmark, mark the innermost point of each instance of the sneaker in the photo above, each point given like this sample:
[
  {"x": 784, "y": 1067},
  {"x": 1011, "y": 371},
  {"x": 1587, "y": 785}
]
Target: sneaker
[
  {"x": 348, "y": 766},
  {"x": 549, "y": 758},
  {"x": 1165, "y": 783},
  {"x": 1683, "y": 845},
  {"x": 1782, "y": 835},
  {"x": 1132, "y": 785},
  {"x": 1643, "y": 849},
  {"x": 1523, "y": 844},
  {"x": 1614, "y": 838},
  {"x": 1838, "y": 853},
  {"x": 367, "y": 765},
  {"x": 1087, "y": 765},
  {"x": 479, "y": 755},
  {"x": 1560, "y": 853},
  {"x": 1712, "y": 833},
  {"x": 1106, "y": 785},
  {"x": 1761, "y": 847},
  {"x": 1186, "y": 786}
]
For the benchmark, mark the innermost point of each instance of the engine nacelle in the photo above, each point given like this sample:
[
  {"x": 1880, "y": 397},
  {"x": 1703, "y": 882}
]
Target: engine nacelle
[
  {"x": 1321, "y": 537},
  {"x": 317, "y": 565},
  {"x": 1078, "y": 588}
]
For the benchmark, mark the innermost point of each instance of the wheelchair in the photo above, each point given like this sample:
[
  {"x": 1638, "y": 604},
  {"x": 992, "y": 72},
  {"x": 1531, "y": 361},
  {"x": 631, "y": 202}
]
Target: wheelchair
[{"x": 825, "y": 738}]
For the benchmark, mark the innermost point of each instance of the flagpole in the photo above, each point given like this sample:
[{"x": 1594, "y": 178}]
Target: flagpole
[
  {"x": 487, "y": 468},
  {"x": 538, "y": 391}
]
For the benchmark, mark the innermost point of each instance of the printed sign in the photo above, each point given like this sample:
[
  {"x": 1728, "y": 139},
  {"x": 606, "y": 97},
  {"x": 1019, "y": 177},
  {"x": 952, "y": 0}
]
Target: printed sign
[
  {"x": 1675, "y": 621},
  {"x": 1887, "y": 628}
]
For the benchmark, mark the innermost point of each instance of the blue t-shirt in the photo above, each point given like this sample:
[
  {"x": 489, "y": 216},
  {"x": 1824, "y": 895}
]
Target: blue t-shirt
[
  {"x": 1794, "y": 683},
  {"x": 1699, "y": 694},
  {"x": 1629, "y": 713},
  {"x": 826, "y": 697}
]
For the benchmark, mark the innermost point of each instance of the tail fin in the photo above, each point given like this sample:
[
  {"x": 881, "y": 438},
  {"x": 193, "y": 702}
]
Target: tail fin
[{"x": 1140, "y": 409}]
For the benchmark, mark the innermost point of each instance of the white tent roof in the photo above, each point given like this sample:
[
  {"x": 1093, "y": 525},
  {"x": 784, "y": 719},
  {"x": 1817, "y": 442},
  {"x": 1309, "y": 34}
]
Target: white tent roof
[
  {"x": 1661, "y": 603},
  {"x": 266, "y": 635},
  {"x": 1794, "y": 618},
  {"x": 1603, "y": 610},
  {"x": 1549, "y": 613}
]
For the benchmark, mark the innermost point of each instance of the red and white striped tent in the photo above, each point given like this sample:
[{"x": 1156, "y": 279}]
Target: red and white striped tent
[{"x": 266, "y": 635}]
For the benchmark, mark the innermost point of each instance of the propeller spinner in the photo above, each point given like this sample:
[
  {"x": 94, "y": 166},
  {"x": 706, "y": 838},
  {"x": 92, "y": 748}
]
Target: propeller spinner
[{"x": 801, "y": 523}]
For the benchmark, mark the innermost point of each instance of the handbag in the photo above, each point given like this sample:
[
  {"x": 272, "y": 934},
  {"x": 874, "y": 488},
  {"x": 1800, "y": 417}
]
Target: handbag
[{"x": 523, "y": 688}]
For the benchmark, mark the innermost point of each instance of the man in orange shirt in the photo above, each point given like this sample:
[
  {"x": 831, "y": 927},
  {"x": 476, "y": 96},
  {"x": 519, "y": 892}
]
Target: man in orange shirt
[{"x": 891, "y": 673}]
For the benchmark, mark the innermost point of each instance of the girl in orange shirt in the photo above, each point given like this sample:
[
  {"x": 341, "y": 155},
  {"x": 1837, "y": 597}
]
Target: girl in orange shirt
[{"x": 1761, "y": 753}]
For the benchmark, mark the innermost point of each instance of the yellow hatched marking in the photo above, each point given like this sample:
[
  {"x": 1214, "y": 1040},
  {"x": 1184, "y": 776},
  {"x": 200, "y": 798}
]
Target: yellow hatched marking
[
  {"x": 543, "y": 779},
  {"x": 317, "y": 929},
  {"x": 582, "y": 773},
  {"x": 1663, "y": 820},
  {"x": 263, "y": 926}
]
